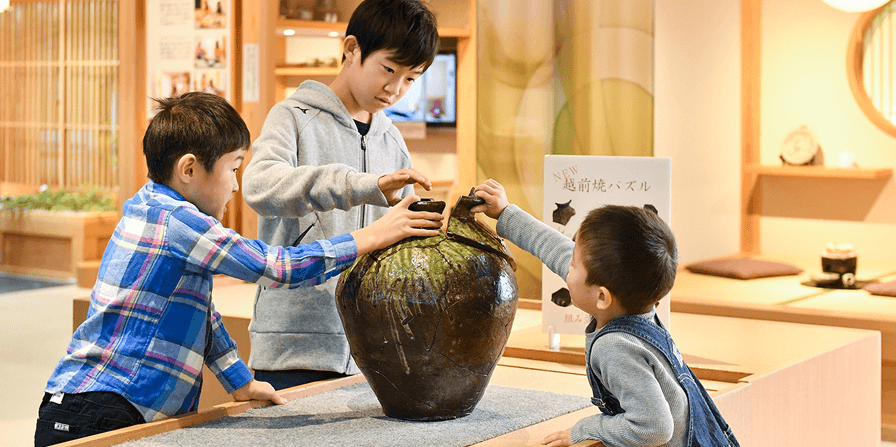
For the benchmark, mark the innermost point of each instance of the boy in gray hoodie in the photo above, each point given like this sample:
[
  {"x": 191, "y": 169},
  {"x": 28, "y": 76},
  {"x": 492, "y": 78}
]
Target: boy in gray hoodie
[{"x": 328, "y": 161}]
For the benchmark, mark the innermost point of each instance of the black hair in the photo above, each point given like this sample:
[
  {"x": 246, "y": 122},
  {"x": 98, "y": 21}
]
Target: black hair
[
  {"x": 201, "y": 124},
  {"x": 406, "y": 27},
  {"x": 630, "y": 251}
]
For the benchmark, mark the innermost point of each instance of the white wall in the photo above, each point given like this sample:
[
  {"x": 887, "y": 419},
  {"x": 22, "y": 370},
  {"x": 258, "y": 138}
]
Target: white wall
[{"x": 697, "y": 121}]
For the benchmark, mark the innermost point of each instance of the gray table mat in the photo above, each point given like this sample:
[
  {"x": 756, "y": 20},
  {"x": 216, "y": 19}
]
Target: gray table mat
[{"x": 351, "y": 415}]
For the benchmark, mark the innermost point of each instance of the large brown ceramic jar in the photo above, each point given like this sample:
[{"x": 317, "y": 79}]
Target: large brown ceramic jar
[{"x": 428, "y": 318}]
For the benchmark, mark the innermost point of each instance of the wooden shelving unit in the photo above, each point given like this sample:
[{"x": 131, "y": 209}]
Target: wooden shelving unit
[
  {"x": 306, "y": 71},
  {"x": 820, "y": 172},
  {"x": 305, "y": 26},
  {"x": 316, "y": 27},
  {"x": 460, "y": 33},
  {"x": 753, "y": 174}
]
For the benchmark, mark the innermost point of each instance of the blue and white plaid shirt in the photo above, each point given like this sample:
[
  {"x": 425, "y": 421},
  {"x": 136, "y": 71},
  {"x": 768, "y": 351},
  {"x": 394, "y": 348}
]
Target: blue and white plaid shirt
[{"x": 151, "y": 323}]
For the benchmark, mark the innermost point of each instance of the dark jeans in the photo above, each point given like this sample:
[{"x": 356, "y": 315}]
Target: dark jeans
[
  {"x": 81, "y": 415},
  {"x": 294, "y": 377}
]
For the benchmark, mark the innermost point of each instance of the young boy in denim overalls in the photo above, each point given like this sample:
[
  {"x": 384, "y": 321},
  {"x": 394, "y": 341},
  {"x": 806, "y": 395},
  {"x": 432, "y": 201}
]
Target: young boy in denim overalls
[{"x": 622, "y": 263}]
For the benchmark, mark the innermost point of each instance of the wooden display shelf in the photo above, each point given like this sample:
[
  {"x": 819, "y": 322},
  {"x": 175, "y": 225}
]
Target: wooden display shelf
[
  {"x": 454, "y": 32},
  {"x": 317, "y": 27},
  {"x": 306, "y": 71},
  {"x": 820, "y": 172}
]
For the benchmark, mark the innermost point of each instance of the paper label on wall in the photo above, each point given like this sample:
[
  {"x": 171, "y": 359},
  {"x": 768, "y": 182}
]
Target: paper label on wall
[
  {"x": 576, "y": 184},
  {"x": 250, "y": 72}
]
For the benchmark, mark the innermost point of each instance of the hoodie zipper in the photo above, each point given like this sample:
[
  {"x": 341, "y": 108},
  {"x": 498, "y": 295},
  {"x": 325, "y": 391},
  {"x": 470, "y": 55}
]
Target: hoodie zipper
[{"x": 363, "y": 170}]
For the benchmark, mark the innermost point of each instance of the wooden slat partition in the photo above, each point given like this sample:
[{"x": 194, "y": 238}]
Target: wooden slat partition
[{"x": 58, "y": 88}]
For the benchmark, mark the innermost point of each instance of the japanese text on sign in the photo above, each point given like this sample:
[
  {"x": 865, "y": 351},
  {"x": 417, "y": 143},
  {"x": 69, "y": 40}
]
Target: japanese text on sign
[
  {"x": 569, "y": 182},
  {"x": 601, "y": 185}
]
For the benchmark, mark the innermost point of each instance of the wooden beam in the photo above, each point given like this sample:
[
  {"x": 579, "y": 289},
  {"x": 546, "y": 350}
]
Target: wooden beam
[
  {"x": 131, "y": 103},
  {"x": 467, "y": 69},
  {"x": 259, "y": 18},
  {"x": 751, "y": 191}
]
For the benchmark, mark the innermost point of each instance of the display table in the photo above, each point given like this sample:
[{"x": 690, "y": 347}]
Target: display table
[
  {"x": 785, "y": 299},
  {"x": 777, "y": 384}
]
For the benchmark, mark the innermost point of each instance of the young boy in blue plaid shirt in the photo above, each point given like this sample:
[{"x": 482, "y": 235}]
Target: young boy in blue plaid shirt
[{"x": 151, "y": 325}]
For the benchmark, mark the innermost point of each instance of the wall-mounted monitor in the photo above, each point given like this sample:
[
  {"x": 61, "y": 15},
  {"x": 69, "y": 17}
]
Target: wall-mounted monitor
[{"x": 432, "y": 98}]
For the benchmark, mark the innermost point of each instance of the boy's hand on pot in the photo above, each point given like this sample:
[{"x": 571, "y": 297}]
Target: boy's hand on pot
[
  {"x": 495, "y": 199},
  {"x": 392, "y": 184},
  {"x": 399, "y": 223}
]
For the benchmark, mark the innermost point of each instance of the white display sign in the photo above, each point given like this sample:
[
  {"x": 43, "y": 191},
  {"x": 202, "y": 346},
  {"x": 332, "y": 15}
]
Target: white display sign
[{"x": 577, "y": 184}]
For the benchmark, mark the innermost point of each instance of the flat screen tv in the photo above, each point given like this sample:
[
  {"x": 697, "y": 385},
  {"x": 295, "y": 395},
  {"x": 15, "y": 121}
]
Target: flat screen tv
[{"x": 432, "y": 98}]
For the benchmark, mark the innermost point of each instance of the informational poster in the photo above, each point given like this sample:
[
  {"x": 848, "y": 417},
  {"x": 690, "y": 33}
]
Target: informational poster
[
  {"x": 188, "y": 48},
  {"x": 576, "y": 184}
]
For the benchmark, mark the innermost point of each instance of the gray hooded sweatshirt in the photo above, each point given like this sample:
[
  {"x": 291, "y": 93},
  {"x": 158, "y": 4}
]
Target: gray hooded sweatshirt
[{"x": 313, "y": 176}]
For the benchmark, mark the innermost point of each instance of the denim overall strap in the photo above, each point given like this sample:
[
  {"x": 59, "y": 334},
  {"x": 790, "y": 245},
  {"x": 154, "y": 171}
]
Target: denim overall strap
[
  {"x": 706, "y": 427},
  {"x": 603, "y": 399}
]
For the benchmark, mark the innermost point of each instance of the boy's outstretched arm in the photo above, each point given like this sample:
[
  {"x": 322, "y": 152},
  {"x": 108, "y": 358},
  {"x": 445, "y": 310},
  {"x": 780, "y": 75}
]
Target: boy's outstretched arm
[
  {"x": 202, "y": 242},
  {"x": 257, "y": 390},
  {"x": 398, "y": 223},
  {"x": 393, "y": 184}
]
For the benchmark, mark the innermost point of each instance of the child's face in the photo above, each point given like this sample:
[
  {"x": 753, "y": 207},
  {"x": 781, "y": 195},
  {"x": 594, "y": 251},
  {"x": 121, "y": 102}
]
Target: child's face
[
  {"x": 214, "y": 189},
  {"x": 380, "y": 82}
]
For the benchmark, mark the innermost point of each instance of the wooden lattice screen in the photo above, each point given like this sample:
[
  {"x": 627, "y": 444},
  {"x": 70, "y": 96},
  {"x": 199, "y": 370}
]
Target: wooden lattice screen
[{"x": 58, "y": 95}]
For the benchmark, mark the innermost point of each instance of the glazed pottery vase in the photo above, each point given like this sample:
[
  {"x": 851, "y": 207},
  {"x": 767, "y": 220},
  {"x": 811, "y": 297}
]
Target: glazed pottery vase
[{"x": 428, "y": 318}]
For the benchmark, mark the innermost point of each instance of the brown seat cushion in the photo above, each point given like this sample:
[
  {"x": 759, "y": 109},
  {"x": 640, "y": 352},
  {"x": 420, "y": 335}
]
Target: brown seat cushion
[
  {"x": 743, "y": 268},
  {"x": 881, "y": 288}
]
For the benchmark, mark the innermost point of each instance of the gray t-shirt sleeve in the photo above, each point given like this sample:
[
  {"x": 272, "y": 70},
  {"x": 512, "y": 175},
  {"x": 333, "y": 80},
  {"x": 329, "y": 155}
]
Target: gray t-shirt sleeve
[
  {"x": 626, "y": 368},
  {"x": 547, "y": 244}
]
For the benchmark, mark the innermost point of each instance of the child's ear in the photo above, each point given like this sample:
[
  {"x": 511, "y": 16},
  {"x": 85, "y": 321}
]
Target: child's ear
[
  {"x": 603, "y": 299},
  {"x": 185, "y": 168},
  {"x": 351, "y": 49}
]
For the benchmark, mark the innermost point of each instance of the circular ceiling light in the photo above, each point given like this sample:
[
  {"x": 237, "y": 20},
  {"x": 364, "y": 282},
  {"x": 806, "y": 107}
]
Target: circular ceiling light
[{"x": 855, "y": 5}]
